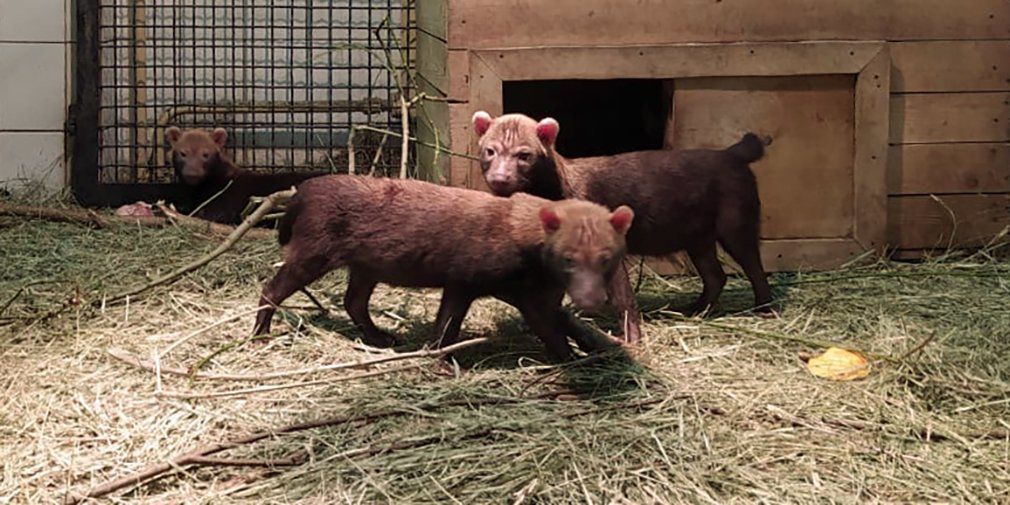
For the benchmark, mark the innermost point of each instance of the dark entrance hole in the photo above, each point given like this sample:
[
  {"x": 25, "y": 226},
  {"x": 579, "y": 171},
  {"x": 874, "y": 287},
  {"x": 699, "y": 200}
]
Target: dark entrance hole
[{"x": 597, "y": 117}]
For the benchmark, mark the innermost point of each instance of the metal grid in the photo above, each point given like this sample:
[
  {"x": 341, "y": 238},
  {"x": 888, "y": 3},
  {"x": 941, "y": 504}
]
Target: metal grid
[{"x": 286, "y": 78}]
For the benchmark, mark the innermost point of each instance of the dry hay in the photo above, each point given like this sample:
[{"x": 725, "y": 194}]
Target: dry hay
[{"x": 715, "y": 410}]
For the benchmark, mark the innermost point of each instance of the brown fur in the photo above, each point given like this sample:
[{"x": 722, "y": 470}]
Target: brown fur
[
  {"x": 202, "y": 164},
  {"x": 684, "y": 199},
  {"x": 525, "y": 250}
]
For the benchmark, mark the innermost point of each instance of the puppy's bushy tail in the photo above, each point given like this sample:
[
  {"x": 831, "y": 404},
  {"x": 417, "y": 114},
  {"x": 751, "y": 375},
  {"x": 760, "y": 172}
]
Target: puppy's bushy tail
[{"x": 749, "y": 149}]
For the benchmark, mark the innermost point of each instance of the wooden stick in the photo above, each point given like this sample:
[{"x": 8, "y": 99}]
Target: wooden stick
[
  {"x": 194, "y": 456},
  {"x": 420, "y": 142},
  {"x": 203, "y": 460},
  {"x": 136, "y": 361},
  {"x": 91, "y": 219},
  {"x": 350, "y": 150},
  {"x": 198, "y": 224},
  {"x": 211, "y": 199},
  {"x": 772, "y": 335},
  {"x": 280, "y": 387},
  {"x": 194, "y": 333},
  {"x": 378, "y": 154},
  {"x": 234, "y": 237},
  {"x": 405, "y": 141}
]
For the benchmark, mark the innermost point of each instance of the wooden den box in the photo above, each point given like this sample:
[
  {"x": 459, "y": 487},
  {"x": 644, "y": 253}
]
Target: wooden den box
[{"x": 890, "y": 118}]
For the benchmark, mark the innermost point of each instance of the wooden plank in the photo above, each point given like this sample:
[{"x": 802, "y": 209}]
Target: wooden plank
[
  {"x": 811, "y": 122},
  {"x": 464, "y": 172},
  {"x": 951, "y": 66},
  {"x": 950, "y": 117},
  {"x": 776, "y": 256},
  {"x": 432, "y": 120},
  {"x": 458, "y": 68},
  {"x": 869, "y": 177},
  {"x": 949, "y": 168},
  {"x": 474, "y": 24},
  {"x": 660, "y": 62},
  {"x": 432, "y": 62},
  {"x": 925, "y": 222},
  {"x": 431, "y": 18}
]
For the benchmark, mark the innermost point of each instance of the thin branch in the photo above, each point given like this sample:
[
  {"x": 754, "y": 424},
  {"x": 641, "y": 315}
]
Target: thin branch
[
  {"x": 350, "y": 150},
  {"x": 133, "y": 360},
  {"x": 419, "y": 142},
  {"x": 378, "y": 154},
  {"x": 211, "y": 199},
  {"x": 158, "y": 469},
  {"x": 94, "y": 220},
  {"x": 219, "y": 322},
  {"x": 915, "y": 350},
  {"x": 773, "y": 335},
  {"x": 279, "y": 387},
  {"x": 197, "y": 224},
  {"x": 405, "y": 143},
  {"x": 205, "y": 461},
  {"x": 268, "y": 204}
]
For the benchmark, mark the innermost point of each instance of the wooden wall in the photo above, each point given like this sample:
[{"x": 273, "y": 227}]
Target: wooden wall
[{"x": 949, "y": 158}]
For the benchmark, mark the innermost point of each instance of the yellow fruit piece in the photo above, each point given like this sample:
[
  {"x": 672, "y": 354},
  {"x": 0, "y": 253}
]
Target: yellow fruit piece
[{"x": 838, "y": 364}]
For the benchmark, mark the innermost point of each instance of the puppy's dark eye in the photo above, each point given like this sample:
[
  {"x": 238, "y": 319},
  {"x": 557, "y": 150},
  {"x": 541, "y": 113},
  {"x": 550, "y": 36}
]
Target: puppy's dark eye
[
  {"x": 605, "y": 259},
  {"x": 206, "y": 156},
  {"x": 182, "y": 154},
  {"x": 569, "y": 261},
  {"x": 489, "y": 152},
  {"x": 524, "y": 156}
]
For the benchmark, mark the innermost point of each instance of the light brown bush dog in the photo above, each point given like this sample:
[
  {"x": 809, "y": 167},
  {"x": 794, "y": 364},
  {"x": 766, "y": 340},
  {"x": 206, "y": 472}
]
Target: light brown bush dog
[
  {"x": 525, "y": 250},
  {"x": 683, "y": 199}
]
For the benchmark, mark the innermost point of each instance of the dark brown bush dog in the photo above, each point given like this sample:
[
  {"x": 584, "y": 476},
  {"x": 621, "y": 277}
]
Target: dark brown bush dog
[
  {"x": 684, "y": 199},
  {"x": 201, "y": 163},
  {"x": 525, "y": 250}
]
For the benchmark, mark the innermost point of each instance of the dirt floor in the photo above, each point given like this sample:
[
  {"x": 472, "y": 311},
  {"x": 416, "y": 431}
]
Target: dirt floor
[{"x": 714, "y": 410}]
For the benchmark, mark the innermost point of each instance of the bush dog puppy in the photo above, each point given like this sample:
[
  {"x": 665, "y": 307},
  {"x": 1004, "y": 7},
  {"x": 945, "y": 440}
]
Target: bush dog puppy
[
  {"x": 525, "y": 250},
  {"x": 202, "y": 164},
  {"x": 684, "y": 199}
]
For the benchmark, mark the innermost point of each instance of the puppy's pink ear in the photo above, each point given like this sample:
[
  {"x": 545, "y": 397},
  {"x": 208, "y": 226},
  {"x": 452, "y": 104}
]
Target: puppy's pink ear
[
  {"x": 547, "y": 131},
  {"x": 549, "y": 219},
  {"x": 621, "y": 219},
  {"x": 172, "y": 135},
  {"x": 481, "y": 122},
  {"x": 219, "y": 136}
]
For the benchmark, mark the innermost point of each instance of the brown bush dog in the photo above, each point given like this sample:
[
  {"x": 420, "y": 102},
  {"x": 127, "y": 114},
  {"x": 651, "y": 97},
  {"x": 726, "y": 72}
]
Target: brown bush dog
[
  {"x": 684, "y": 199},
  {"x": 524, "y": 250},
  {"x": 201, "y": 163}
]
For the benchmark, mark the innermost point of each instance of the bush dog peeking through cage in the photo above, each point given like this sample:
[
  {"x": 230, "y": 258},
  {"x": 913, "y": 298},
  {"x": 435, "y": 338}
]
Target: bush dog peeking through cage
[
  {"x": 524, "y": 250},
  {"x": 685, "y": 199},
  {"x": 218, "y": 187}
]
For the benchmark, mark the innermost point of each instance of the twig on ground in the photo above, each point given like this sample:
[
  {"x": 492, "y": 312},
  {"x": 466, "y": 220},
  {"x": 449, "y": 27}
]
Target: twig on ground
[
  {"x": 17, "y": 294},
  {"x": 219, "y": 322},
  {"x": 234, "y": 237},
  {"x": 205, "y": 461},
  {"x": 915, "y": 350},
  {"x": 136, "y": 361},
  {"x": 315, "y": 301},
  {"x": 197, "y": 224},
  {"x": 193, "y": 457},
  {"x": 279, "y": 387},
  {"x": 771, "y": 335}
]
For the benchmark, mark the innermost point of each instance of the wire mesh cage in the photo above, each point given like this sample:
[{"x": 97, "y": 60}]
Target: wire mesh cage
[{"x": 286, "y": 78}]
